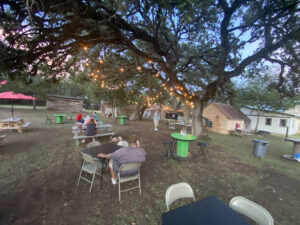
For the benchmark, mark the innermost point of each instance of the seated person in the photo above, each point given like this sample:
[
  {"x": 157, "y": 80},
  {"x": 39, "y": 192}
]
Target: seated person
[
  {"x": 79, "y": 118},
  {"x": 131, "y": 154},
  {"x": 95, "y": 116},
  {"x": 91, "y": 129},
  {"x": 88, "y": 119}
]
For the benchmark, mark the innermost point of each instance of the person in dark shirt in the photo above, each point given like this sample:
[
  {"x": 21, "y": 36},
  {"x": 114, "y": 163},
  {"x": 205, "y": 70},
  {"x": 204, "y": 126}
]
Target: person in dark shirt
[{"x": 91, "y": 129}]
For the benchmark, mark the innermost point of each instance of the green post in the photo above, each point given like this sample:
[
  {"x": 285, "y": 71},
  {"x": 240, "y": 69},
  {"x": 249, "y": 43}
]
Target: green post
[{"x": 122, "y": 120}]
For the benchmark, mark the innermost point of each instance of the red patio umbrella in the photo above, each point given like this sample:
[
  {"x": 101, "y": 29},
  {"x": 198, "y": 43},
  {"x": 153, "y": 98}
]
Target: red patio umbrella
[{"x": 11, "y": 95}]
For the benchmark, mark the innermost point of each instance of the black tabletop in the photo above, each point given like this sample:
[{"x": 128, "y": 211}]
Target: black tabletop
[
  {"x": 105, "y": 148},
  {"x": 208, "y": 211}
]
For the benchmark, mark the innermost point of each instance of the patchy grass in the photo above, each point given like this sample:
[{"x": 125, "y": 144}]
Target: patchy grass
[
  {"x": 242, "y": 148},
  {"x": 39, "y": 171}
]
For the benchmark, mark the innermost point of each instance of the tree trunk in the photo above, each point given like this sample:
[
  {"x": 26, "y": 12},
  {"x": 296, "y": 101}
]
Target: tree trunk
[
  {"x": 136, "y": 114},
  {"x": 186, "y": 115},
  {"x": 197, "y": 118},
  {"x": 34, "y": 105},
  {"x": 257, "y": 121},
  {"x": 142, "y": 111}
]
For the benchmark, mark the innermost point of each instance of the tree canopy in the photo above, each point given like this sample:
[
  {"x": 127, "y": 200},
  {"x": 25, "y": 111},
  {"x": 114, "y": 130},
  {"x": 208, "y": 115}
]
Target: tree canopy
[{"x": 193, "y": 47}]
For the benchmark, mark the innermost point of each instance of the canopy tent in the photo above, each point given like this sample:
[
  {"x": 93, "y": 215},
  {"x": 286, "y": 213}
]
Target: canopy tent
[{"x": 11, "y": 95}]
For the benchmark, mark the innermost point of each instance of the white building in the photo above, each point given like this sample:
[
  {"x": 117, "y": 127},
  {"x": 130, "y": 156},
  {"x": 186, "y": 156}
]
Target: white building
[{"x": 273, "y": 122}]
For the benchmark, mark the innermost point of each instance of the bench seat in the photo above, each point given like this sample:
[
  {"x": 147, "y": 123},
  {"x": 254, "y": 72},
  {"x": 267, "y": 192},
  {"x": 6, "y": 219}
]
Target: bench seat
[
  {"x": 25, "y": 125},
  {"x": 77, "y": 138}
]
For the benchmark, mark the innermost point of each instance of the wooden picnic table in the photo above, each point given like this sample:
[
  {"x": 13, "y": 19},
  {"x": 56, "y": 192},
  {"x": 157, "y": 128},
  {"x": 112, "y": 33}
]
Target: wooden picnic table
[
  {"x": 14, "y": 123},
  {"x": 296, "y": 153}
]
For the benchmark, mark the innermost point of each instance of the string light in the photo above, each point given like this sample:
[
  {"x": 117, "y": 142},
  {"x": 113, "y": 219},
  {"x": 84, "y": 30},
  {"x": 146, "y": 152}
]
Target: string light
[{"x": 139, "y": 68}]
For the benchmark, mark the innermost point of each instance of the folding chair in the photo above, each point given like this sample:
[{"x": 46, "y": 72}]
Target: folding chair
[
  {"x": 169, "y": 145},
  {"x": 203, "y": 150},
  {"x": 122, "y": 179},
  {"x": 48, "y": 119},
  {"x": 93, "y": 144},
  {"x": 172, "y": 124},
  {"x": 91, "y": 166},
  {"x": 123, "y": 143},
  {"x": 251, "y": 210},
  {"x": 177, "y": 191}
]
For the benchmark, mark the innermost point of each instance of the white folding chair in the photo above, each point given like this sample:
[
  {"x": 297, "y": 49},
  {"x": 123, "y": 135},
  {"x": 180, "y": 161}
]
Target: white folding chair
[
  {"x": 91, "y": 166},
  {"x": 93, "y": 144},
  {"x": 122, "y": 179},
  {"x": 123, "y": 143},
  {"x": 177, "y": 191},
  {"x": 251, "y": 210}
]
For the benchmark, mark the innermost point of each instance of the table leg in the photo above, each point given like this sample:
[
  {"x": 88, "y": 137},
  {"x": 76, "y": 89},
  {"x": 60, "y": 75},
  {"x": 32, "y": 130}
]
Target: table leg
[
  {"x": 182, "y": 148},
  {"x": 18, "y": 126},
  {"x": 59, "y": 119},
  {"x": 101, "y": 178},
  {"x": 296, "y": 151},
  {"x": 296, "y": 148}
]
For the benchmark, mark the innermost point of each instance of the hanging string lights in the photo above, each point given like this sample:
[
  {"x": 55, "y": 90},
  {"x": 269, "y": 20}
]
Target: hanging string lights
[{"x": 176, "y": 90}]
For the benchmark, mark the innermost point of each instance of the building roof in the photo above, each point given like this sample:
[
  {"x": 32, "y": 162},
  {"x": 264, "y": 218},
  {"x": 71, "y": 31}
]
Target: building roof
[
  {"x": 274, "y": 112},
  {"x": 67, "y": 97},
  {"x": 230, "y": 112}
]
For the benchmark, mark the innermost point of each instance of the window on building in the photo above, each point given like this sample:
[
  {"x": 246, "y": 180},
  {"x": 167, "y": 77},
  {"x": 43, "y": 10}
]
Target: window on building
[
  {"x": 268, "y": 122},
  {"x": 282, "y": 123}
]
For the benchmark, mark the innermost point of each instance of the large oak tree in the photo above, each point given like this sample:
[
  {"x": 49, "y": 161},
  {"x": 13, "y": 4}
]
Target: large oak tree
[{"x": 193, "y": 47}]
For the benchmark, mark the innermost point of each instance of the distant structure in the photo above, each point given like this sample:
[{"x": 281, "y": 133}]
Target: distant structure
[
  {"x": 64, "y": 103},
  {"x": 273, "y": 122},
  {"x": 224, "y": 119},
  {"x": 294, "y": 111}
]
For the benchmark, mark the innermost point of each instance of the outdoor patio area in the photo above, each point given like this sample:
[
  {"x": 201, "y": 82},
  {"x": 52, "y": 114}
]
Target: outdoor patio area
[{"x": 39, "y": 169}]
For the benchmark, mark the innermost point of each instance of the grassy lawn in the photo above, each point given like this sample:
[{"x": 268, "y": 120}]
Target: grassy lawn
[
  {"x": 39, "y": 171},
  {"x": 242, "y": 148}
]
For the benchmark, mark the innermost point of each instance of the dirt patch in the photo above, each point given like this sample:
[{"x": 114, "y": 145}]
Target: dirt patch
[{"x": 39, "y": 171}]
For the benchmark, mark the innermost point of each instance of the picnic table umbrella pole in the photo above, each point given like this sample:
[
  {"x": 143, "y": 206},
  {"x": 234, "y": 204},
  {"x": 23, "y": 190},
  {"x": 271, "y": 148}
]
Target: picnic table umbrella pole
[{"x": 12, "y": 96}]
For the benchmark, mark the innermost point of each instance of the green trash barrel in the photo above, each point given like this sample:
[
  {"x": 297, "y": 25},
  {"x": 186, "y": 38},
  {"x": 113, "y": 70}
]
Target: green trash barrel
[{"x": 259, "y": 148}]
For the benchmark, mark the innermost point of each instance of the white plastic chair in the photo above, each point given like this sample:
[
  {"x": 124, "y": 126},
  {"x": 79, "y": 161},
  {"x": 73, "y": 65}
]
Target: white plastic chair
[
  {"x": 251, "y": 210},
  {"x": 91, "y": 166},
  {"x": 177, "y": 191},
  {"x": 123, "y": 143},
  {"x": 93, "y": 144},
  {"x": 122, "y": 179}
]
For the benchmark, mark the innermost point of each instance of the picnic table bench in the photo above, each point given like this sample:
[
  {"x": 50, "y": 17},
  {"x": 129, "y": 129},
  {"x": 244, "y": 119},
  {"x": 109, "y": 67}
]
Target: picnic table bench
[
  {"x": 78, "y": 137},
  {"x": 14, "y": 124},
  {"x": 238, "y": 132},
  {"x": 2, "y": 136}
]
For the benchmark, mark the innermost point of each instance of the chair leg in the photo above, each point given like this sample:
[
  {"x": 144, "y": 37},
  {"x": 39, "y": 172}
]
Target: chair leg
[
  {"x": 140, "y": 183},
  {"x": 203, "y": 150},
  {"x": 119, "y": 183},
  {"x": 79, "y": 177},
  {"x": 92, "y": 181}
]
